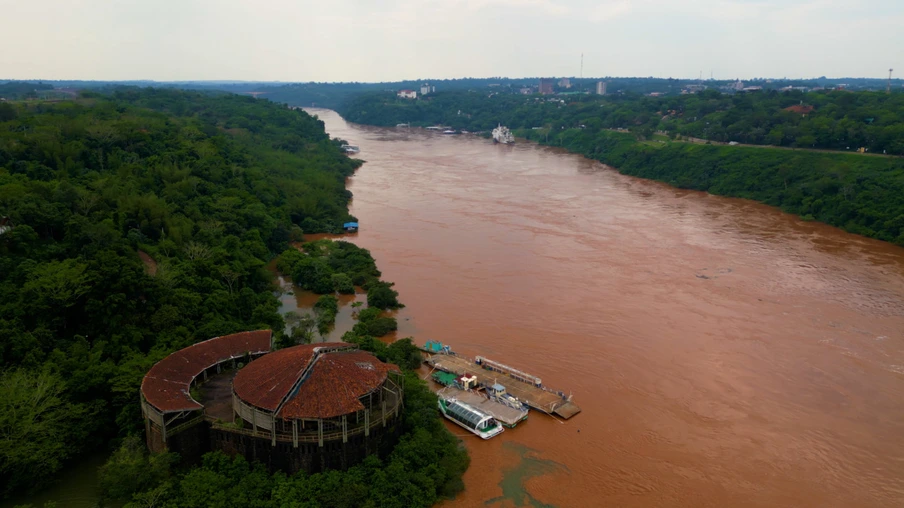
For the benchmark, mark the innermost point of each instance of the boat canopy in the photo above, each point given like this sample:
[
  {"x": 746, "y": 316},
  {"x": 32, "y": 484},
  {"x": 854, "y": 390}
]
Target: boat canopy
[
  {"x": 467, "y": 414},
  {"x": 350, "y": 225}
]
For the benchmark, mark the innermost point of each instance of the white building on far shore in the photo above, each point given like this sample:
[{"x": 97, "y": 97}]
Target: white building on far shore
[
  {"x": 601, "y": 88},
  {"x": 407, "y": 94}
]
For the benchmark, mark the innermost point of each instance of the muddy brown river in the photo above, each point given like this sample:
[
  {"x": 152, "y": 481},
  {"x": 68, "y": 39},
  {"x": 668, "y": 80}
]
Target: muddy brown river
[{"x": 724, "y": 353}]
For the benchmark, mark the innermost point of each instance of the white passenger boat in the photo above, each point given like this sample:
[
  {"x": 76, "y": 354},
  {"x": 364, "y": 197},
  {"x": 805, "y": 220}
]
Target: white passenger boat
[{"x": 470, "y": 418}]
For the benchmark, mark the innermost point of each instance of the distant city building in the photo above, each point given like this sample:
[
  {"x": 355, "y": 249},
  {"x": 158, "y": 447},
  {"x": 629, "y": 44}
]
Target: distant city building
[
  {"x": 565, "y": 83},
  {"x": 426, "y": 88},
  {"x": 526, "y": 90},
  {"x": 601, "y": 88},
  {"x": 737, "y": 85},
  {"x": 407, "y": 94},
  {"x": 546, "y": 86},
  {"x": 695, "y": 88}
]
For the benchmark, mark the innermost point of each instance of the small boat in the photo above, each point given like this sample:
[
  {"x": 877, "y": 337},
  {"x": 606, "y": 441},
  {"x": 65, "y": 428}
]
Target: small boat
[
  {"x": 350, "y": 227},
  {"x": 350, "y": 148},
  {"x": 471, "y": 419},
  {"x": 449, "y": 131}
]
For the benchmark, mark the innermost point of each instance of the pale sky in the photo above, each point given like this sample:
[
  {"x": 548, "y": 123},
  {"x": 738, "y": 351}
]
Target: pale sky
[{"x": 361, "y": 40}]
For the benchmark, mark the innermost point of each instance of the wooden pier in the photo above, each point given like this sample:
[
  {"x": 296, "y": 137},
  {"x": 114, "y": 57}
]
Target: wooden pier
[
  {"x": 507, "y": 416},
  {"x": 535, "y": 396}
]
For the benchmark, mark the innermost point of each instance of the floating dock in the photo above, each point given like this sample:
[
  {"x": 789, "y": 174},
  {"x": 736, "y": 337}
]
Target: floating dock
[
  {"x": 527, "y": 388},
  {"x": 507, "y": 416}
]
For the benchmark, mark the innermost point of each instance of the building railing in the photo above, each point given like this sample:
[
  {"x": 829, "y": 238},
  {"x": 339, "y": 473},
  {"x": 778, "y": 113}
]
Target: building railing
[
  {"x": 172, "y": 431},
  {"x": 306, "y": 436}
]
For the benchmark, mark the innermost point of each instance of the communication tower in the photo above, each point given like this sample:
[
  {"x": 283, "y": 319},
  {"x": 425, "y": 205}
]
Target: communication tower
[{"x": 888, "y": 86}]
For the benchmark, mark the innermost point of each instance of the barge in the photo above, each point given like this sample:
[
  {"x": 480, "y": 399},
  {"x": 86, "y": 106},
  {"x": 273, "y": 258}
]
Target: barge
[
  {"x": 509, "y": 411},
  {"x": 519, "y": 385}
]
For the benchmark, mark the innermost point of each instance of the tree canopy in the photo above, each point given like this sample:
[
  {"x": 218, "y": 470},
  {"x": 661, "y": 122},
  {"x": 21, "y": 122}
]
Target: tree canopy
[{"x": 139, "y": 222}]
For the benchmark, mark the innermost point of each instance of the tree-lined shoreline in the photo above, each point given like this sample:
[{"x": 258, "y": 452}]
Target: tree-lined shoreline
[{"x": 862, "y": 195}]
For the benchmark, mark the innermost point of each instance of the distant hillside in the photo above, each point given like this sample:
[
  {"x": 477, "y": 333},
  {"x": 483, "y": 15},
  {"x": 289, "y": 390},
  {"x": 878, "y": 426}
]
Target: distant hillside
[{"x": 22, "y": 89}]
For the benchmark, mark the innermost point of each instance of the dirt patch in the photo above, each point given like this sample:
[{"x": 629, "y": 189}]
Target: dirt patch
[
  {"x": 216, "y": 396},
  {"x": 150, "y": 265}
]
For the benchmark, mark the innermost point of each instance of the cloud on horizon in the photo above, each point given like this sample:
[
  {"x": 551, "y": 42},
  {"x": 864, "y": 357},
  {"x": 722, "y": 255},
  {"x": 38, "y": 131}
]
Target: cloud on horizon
[{"x": 356, "y": 40}]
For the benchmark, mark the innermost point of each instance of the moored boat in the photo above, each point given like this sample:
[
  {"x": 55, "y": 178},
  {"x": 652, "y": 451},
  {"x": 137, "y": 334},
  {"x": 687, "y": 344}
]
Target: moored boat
[
  {"x": 498, "y": 393},
  {"x": 470, "y": 418},
  {"x": 501, "y": 134}
]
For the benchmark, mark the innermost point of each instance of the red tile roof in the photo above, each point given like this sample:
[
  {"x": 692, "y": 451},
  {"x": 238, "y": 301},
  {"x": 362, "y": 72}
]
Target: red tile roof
[
  {"x": 332, "y": 387},
  {"x": 335, "y": 384},
  {"x": 166, "y": 385},
  {"x": 266, "y": 381},
  {"x": 800, "y": 109}
]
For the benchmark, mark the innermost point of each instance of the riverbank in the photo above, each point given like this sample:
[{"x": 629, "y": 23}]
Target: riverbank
[{"x": 860, "y": 195}]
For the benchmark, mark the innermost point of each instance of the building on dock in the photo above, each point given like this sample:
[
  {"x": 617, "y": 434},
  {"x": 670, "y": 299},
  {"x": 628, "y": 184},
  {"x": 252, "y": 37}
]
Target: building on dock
[{"x": 311, "y": 407}]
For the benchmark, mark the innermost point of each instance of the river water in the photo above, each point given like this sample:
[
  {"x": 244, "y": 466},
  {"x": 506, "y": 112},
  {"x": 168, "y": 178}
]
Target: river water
[{"x": 724, "y": 353}]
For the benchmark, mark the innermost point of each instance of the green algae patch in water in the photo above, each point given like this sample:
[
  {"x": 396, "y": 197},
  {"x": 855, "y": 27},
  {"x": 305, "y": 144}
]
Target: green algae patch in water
[{"x": 514, "y": 479}]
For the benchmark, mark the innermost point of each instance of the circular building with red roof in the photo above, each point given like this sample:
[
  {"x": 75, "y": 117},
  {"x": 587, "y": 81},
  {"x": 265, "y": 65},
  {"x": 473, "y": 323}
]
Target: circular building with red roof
[{"x": 309, "y": 407}]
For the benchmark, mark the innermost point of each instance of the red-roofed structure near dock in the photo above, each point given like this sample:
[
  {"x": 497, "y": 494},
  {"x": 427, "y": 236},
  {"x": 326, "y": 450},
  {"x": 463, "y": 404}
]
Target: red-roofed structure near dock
[{"x": 310, "y": 407}]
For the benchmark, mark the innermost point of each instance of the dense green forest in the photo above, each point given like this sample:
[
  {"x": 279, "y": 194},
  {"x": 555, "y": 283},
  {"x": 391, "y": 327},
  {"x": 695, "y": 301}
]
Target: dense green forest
[
  {"x": 860, "y": 193},
  {"x": 22, "y": 89},
  {"x": 207, "y": 188},
  {"x": 136, "y": 223}
]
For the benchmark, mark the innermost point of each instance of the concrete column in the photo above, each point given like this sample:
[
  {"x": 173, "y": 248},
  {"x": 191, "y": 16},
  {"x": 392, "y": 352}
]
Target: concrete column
[
  {"x": 367, "y": 422},
  {"x": 344, "y": 430},
  {"x": 295, "y": 433},
  {"x": 320, "y": 432}
]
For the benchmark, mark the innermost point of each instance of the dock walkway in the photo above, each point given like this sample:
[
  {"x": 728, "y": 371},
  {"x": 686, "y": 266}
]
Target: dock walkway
[
  {"x": 506, "y": 415},
  {"x": 536, "y": 397}
]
